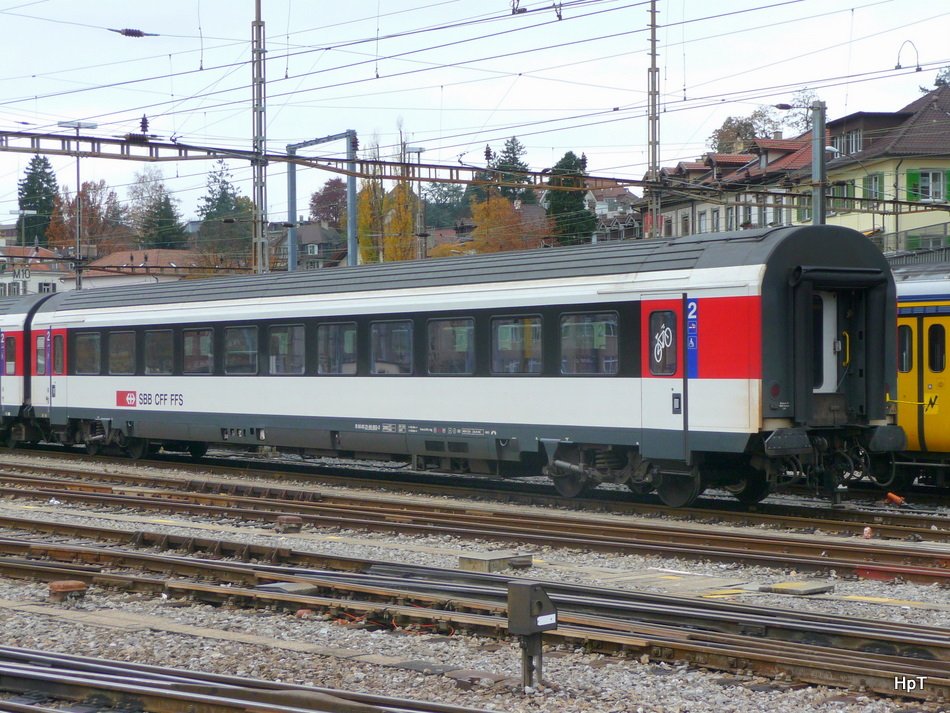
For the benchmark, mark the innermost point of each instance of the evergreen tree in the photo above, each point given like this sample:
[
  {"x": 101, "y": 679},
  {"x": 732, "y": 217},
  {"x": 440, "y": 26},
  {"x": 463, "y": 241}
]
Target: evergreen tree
[
  {"x": 226, "y": 219},
  {"x": 37, "y": 191},
  {"x": 510, "y": 168},
  {"x": 573, "y": 222},
  {"x": 162, "y": 226},
  {"x": 221, "y": 200},
  {"x": 148, "y": 188}
]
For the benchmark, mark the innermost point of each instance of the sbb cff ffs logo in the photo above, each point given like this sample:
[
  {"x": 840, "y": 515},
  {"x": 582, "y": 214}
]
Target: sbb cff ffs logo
[{"x": 126, "y": 398}]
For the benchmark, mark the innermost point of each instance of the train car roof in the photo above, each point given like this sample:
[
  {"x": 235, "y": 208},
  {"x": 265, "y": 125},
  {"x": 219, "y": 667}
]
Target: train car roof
[
  {"x": 827, "y": 245},
  {"x": 923, "y": 279},
  {"x": 20, "y": 304}
]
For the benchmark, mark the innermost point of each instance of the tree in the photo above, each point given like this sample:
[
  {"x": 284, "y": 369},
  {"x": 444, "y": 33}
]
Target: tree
[
  {"x": 104, "y": 220},
  {"x": 162, "y": 225},
  {"x": 329, "y": 203},
  {"x": 149, "y": 187},
  {"x": 573, "y": 222},
  {"x": 369, "y": 213},
  {"x": 798, "y": 118},
  {"x": 445, "y": 204},
  {"x": 510, "y": 168},
  {"x": 737, "y": 131},
  {"x": 226, "y": 219},
  {"x": 399, "y": 240},
  {"x": 941, "y": 80},
  {"x": 36, "y": 191}
]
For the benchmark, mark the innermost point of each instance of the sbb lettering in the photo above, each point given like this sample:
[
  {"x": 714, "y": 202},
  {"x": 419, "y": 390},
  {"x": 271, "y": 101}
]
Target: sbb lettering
[{"x": 131, "y": 399}]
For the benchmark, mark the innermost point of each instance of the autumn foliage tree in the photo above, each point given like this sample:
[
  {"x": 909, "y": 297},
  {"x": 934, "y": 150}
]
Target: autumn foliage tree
[
  {"x": 329, "y": 203},
  {"x": 399, "y": 240},
  {"x": 104, "y": 221},
  {"x": 369, "y": 219},
  {"x": 499, "y": 227}
]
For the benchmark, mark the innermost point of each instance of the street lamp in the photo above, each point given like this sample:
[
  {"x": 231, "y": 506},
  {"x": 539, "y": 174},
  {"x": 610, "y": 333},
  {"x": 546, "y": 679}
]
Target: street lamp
[
  {"x": 23, "y": 212},
  {"x": 77, "y": 125}
]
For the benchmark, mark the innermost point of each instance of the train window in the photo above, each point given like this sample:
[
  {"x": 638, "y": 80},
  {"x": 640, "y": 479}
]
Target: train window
[
  {"x": 240, "y": 350},
  {"x": 589, "y": 343},
  {"x": 198, "y": 351},
  {"x": 516, "y": 345},
  {"x": 40, "y": 354},
  {"x": 158, "y": 352},
  {"x": 59, "y": 354},
  {"x": 451, "y": 346},
  {"x": 88, "y": 354},
  {"x": 937, "y": 348},
  {"x": 9, "y": 348},
  {"x": 905, "y": 349},
  {"x": 336, "y": 348},
  {"x": 391, "y": 347},
  {"x": 121, "y": 352},
  {"x": 663, "y": 343},
  {"x": 287, "y": 349}
]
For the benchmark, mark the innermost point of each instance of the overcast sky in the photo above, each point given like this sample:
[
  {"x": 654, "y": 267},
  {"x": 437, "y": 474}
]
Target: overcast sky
[{"x": 455, "y": 75}]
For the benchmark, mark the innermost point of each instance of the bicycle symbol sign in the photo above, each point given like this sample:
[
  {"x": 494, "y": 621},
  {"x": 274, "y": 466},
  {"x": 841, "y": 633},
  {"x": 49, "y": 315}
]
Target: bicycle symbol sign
[{"x": 662, "y": 340}]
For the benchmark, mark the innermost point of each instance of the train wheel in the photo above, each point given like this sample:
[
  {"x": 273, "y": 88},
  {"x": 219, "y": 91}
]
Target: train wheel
[
  {"x": 638, "y": 488},
  {"x": 751, "y": 490},
  {"x": 93, "y": 448},
  {"x": 679, "y": 490},
  {"x": 9, "y": 439},
  {"x": 136, "y": 448},
  {"x": 571, "y": 485},
  {"x": 197, "y": 450}
]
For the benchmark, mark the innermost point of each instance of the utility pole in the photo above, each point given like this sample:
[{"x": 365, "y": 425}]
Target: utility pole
[
  {"x": 818, "y": 177},
  {"x": 653, "y": 129},
  {"x": 352, "y": 144},
  {"x": 260, "y": 259}
]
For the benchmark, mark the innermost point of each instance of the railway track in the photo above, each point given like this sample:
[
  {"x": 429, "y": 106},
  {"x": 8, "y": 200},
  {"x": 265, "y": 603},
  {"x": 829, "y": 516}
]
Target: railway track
[
  {"x": 886, "y": 520},
  {"x": 808, "y": 647},
  {"x": 922, "y": 562},
  {"x": 49, "y": 679}
]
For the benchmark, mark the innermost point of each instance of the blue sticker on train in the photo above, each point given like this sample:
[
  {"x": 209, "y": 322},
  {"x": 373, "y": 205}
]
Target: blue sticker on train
[{"x": 692, "y": 339}]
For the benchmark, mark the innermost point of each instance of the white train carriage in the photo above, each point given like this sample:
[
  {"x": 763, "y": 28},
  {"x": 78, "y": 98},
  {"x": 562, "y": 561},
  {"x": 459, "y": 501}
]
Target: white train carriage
[
  {"x": 16, "y": 343},
  {"x": 744, "y": 360}
]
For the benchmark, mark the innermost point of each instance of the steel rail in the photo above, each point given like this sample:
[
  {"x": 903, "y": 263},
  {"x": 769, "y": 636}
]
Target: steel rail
[
  {"x": 887, "y": 522},
  {"x": 864, "y": 559}
]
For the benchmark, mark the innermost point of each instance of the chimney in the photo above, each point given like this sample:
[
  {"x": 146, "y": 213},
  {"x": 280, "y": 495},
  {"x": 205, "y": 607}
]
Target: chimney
[{"x": 777, "y": 134}]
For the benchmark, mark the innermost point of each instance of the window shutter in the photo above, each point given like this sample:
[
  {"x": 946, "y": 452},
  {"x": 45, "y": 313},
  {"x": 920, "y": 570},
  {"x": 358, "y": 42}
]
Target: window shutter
[
  {"x": 946, "y": 185},
  {"x": 913, "y": 185}
]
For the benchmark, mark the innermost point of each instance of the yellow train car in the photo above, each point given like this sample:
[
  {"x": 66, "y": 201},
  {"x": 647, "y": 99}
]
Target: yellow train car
[{"x": 922, "y": 394}]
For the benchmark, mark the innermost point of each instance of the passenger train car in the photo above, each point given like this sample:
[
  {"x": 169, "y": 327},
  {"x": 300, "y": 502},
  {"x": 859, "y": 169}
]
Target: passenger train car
[
  {"x": 746, "y": 360},
  {"x": 923, "y": 379}
]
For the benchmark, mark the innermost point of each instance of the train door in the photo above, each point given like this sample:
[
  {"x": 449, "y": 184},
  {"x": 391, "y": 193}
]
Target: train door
[
  {"x": 56, "y": 343},
  {"x": 664, "y": 394},
  {"x": 827, "y": 343},
  {"x": 40, "y": 360},
  {"x": 833, "y": 337},
  {"x": 922, "y": 387}
]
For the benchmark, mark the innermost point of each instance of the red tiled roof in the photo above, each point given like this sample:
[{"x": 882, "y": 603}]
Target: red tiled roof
[
  {"x": 147, "y": 258},
  {"x": 778, "y": 144},
  {"x": 734, "y": 159}
]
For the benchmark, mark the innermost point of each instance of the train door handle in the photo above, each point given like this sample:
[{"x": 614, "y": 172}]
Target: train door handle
[
  {"x": 52, "y": 390},
  {"x": 677, "y": 403}
]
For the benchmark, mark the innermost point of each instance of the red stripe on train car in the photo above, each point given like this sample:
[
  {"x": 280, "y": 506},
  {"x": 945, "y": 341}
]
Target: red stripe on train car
[{"x": 730, "y": 338}]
